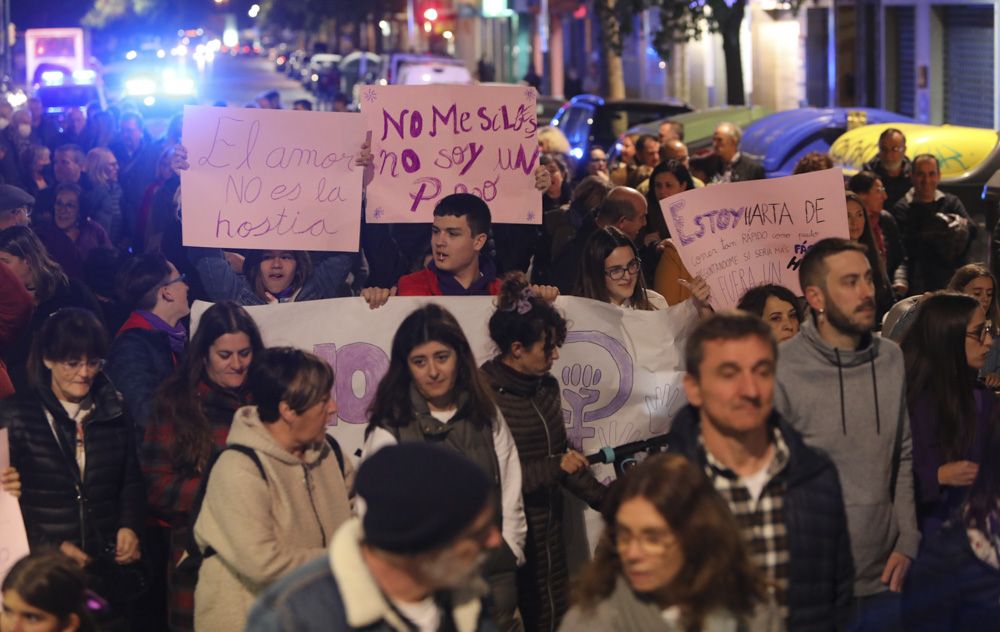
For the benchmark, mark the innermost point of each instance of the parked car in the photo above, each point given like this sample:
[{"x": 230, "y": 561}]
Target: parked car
[
  {"x": 698, "y": 126},
  {"x": 591, "y": 121},
  {"x": 319, "y": 64},
  {"x": 780, "y": 140},
  {"x": 547, "y": 108},
  {"x": 296, "y": 61},
  {"x": 360, "y": 68}
]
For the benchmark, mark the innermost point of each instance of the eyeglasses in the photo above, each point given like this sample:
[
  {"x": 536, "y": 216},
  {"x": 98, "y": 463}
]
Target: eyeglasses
[
  {"x": 880, "y": 189},
  {"x": 76, "y": 365},
  {"x": 649, "y": 543},
  {"x": 617, "y": 273},
  {"x": 985, "y": 332},
  {"x": 894, "y": 148},
  {"x": 179, "y": 278}
]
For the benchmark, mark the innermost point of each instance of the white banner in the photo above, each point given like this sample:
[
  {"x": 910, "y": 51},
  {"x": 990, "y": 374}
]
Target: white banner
[
  {"x": 13, "y": 539},
  {"x": 620, "y": 370}
]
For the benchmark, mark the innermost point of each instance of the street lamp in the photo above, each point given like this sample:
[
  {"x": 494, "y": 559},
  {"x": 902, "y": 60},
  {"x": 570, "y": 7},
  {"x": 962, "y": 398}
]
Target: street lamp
[{"x": 254, "y": 10}]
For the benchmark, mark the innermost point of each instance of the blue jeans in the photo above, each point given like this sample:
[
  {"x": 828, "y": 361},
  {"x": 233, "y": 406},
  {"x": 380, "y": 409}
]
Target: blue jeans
[{"x": 881, "y": 612}]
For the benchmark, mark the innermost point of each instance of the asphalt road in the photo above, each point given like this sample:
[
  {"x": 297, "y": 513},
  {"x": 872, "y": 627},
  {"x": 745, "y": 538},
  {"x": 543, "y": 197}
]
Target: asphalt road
[{"x": 237, "y": 80}]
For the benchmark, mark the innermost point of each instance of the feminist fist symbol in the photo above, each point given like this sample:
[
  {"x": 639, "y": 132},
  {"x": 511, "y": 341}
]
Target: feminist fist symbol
[{"x": 581, "y": 382}]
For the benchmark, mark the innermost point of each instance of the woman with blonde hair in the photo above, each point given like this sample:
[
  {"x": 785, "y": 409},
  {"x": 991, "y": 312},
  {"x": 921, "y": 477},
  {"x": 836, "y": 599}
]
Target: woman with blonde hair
[{"x": 102, "y": 171}]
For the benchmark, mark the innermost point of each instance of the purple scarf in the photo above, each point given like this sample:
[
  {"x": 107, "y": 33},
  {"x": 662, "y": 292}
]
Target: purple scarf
[
  {"x": 177, "y": 335},
  {"x": 480, "y": 287}
]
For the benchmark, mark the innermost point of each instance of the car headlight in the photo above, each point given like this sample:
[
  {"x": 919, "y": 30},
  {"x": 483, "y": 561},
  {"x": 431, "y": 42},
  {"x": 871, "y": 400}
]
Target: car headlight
[
  {"x": 140, "y": 86},
  {"x": 179, "y": 85}
]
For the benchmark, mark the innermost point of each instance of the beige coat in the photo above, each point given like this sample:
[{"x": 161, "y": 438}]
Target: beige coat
[{"x": 263, "y": 529}]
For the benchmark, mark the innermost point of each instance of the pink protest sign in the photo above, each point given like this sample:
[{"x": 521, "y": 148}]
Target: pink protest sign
[
  {"x": 431, "y": 141},
  {"x": 271, "y": 179},
  {"x": 741, "y": 235}
]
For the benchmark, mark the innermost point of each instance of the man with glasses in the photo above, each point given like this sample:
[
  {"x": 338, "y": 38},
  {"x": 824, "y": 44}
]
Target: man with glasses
[
  {"x": 891, "y": 165},
  {"x": 786, "y": 497},
  {"x": 844, "y": 389},
  {"x": 411, "y": 561},
  {"x": 150, "y": 343},
  {"x": 15, "y": 206}
]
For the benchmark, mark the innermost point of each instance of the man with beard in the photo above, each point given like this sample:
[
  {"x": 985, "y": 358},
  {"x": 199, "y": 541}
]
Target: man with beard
[
  {"x": 891, "y": 165},
  {"x": 411, "y": 562},
  {"x": 844, "y": 390}
]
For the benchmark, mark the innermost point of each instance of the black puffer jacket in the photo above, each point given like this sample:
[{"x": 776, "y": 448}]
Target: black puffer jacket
[
  {"x": 821, "y": 574},
  {"x": 112, "y": 482},
  {"x": 532, "y": 407}
]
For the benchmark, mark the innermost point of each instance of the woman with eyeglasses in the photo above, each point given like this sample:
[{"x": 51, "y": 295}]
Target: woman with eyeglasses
[
  {"x": 611, "y": 272},
  {"x": 671, "y": 559},
  {"x": 871, "y": 191},
  {"x": 51, "y": 290},
  {"x": 72, "y": 235},
  {"x": 949, "y": 410},
  {"x": 71, "y": 441},
  {"x": 977, "y": 281},
  {"x": 192, "y": 413}
]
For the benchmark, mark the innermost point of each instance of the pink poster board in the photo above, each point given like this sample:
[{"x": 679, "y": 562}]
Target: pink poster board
[
  {"x": 13, "y": 539},
  {"x": 741, "y": 235},
  {"x": 271, "y": 179},
  {"x": 431, "y": 141}
]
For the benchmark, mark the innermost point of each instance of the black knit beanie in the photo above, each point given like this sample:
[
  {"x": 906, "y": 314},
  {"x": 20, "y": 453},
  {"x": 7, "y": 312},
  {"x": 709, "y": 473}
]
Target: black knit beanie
[{"x": 419, "y": 497}]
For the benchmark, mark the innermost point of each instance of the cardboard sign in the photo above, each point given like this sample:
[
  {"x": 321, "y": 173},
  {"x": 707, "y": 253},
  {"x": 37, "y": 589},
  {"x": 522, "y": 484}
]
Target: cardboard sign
[
  {"x": 741, "y": 235},
  {"x": 431, "y": 141},
  {"x": 13, "y": 538},
  {"x": 271, "y": 179}
]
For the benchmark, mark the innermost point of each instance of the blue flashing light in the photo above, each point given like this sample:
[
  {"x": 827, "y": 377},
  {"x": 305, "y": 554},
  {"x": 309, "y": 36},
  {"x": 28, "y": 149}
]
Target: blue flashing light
[
  {"x": 85, "y": 76},
  {"x": 131, "y": 55},
  {"x": 140, "y": 86},
  {"x": 577, "y": 152}
]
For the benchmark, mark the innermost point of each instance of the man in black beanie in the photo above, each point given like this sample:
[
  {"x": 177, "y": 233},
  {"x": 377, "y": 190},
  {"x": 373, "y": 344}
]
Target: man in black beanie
[{"x": 410, "y": 562}]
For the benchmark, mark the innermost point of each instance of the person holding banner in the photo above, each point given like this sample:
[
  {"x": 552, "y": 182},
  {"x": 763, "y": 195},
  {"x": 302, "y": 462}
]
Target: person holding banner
[
  {"x": 189, "y": 423},
  {"x": 528, "y": 332},
  {"x": 611, "y": 272},
  {"x": 433, "y": 392}
]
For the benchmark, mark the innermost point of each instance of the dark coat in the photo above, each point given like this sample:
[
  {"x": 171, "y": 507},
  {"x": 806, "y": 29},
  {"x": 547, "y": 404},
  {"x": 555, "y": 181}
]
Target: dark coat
[
  {"x": 927, "y": 269},
  {"x": 820, "y": 574},
  {"x": 112, "y": 483},
  {"x": 532, "y": 407},
  {"x": 139, "y": 360},
  {"x": 949, "y": 589},
  {"x": 746, "y": 168}
]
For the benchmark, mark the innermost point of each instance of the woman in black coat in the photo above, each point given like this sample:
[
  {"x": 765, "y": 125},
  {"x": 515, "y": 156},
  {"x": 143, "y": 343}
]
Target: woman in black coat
[
  {"x": 73, "y": 446},
  {"x": 528, "y": 331}
]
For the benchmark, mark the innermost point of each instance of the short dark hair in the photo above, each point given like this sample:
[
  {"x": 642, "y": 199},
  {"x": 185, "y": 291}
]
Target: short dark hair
[
  {"x": 306, "y": 104},
  {"x": 471, "y": 207},
  {"x": 678, "y": 128},
  {"x": 813, "y": 269},
  {"x": 753, "y": 300},
  {"x": 919, "y": 157},
  {"x": 725, "y": 325},
  {"x": 888, "y": 132},
  {"x": 813, "y": 161},
  {"x": 141, "y": 279},
  {"x": 645, "y": 138},
  {"x": 69, "y": 334},
  {"x": 862, "y": 181},
  {"x": 290, "y": 375}
]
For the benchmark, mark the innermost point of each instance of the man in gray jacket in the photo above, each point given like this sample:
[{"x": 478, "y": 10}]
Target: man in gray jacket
[{"x": 844, "y": 390}]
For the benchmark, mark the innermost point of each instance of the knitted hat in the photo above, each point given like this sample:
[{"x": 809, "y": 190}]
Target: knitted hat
[{"x": 419, "y": 497}]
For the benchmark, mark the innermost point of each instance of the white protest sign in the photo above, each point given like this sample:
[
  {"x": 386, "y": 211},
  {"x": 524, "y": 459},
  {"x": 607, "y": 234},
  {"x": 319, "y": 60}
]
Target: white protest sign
[
  {"x": 431, "y": 141},
  {"x": 13, "y": 538},
  {"x": 741, "y": 235},
  {"x": 271, "y": 179}
]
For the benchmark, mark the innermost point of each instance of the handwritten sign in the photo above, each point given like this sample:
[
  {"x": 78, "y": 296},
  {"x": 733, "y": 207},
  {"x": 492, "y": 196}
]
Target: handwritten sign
[
  {"x": 741, "y": 235},
  {"x": 13, "y": 539},
  {"x": 431, "y": 141},
  {"x": 271, "y": 179}
]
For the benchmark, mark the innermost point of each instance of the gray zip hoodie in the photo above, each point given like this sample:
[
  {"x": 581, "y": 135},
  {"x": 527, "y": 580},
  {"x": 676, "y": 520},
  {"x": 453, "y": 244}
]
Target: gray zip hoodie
[{"x": 849, "y": 405}]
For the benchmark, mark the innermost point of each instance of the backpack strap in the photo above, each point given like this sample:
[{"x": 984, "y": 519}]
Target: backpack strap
[
  {"x": 250, "y": 452},
  {"x": 337, "y": 452}
]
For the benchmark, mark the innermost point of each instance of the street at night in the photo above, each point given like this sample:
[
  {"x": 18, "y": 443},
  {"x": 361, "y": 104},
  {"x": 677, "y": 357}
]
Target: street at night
[{"x": 499, "y": 316}]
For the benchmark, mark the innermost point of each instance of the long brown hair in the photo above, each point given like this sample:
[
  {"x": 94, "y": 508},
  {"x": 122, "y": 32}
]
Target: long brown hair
[
  {"x": 591, "y": 278},
  {"x": 391, "y": 405},
  {"x": 178, "y": 401},
  {"x": 969, "y": 273},
  {"x": 717, "y": 572}
]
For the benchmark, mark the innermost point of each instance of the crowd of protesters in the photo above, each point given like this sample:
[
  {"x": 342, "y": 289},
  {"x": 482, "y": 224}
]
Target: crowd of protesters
[{"x": 844, "y": 479}]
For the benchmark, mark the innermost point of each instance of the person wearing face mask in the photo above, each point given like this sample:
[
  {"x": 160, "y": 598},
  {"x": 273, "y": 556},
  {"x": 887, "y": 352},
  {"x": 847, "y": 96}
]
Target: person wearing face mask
[
  {"x": 190, "y": 418},
  {"x": 528, "y": 332},
  {"x": 433, "y": 392},
  {"x": 72, "y": 443},
  {"x": 265, "y": 515}
]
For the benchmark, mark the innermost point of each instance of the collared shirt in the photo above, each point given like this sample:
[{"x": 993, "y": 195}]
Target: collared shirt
[{"x": 761, "y": 520}]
